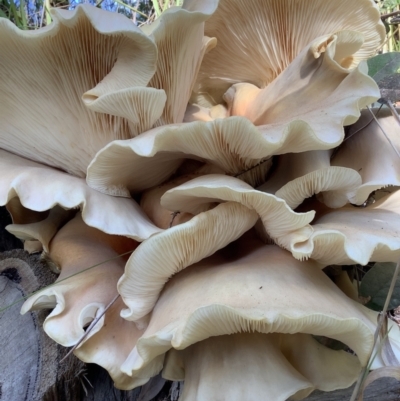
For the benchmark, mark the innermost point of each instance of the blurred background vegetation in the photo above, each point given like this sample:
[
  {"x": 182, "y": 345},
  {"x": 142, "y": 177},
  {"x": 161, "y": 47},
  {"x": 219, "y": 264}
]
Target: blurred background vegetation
[
  {"x": 390, "y": 10},
  {"x": 33, "y": 14}
]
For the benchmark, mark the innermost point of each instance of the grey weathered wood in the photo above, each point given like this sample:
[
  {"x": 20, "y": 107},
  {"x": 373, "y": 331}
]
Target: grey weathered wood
[{"x": 29, "y": 360}]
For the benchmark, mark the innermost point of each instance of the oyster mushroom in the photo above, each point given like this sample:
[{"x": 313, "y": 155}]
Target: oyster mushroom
[
  {"x": 278, "y": 32},
  {"x": 258, "y": 122},
  {"x": 90, "y": 267},
  {"x": 40, "y": 188},
  {"x": 251, "y": 302},
  {"x": 88, "y": 77}
]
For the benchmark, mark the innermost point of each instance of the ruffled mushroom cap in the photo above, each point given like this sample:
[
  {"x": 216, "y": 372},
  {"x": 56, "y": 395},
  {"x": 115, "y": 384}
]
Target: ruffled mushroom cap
[
  {"x": 284, "y": 226},
  {"x": 40, "y": 188},
  {"x": 367, "y": 151},
  {"x": 341, "y": 236},
  {"x": 181, "y": 45},
  {"x": 81, "y": 294},
  {"x": 328, "y": 97},
  {"x": 276, "y": 364},
  {"x": 279, "y": 31},
  {"x": 239, "y": 290},
  {"x": 86, "y": 57},
  {"x": 164, "y": 255},
  {"x": 355, "y": 235},
  {"x": 320, "y": 85},
  {"x": 301, "y": 175},
  {"x": 233, "y": 145}
]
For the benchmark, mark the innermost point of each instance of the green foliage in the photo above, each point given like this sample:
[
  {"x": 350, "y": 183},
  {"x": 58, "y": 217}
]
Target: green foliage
[
  {"x": 383, "y": 65},
  {"x": 375, "y": 285},
  {"x": 8, "y": 9},
  {"x": 390, "y": 4}
]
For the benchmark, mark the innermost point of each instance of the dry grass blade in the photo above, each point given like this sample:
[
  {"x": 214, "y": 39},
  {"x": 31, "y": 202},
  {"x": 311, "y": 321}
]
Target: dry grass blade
[
  {"x": 363, "y": 376},
  {"x": 387, "y": 353},
  {"x": 89, "y": 329}
]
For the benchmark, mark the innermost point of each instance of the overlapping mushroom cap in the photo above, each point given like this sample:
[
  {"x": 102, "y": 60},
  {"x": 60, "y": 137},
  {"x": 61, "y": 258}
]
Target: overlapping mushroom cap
[
  {"x": 273, "y": 116},
  {"x": 93, "y": 77},
  {"x": 303, "y": 108}
]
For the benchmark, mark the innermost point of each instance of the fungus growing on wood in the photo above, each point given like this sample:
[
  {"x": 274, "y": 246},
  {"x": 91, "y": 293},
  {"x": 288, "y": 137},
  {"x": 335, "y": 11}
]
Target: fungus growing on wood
[
  {"x": 258, "y": 123},
  {"x": 188, "y": 298},
  {"x": 253, "y": 302},
  {"x": 82, "y": 293}
]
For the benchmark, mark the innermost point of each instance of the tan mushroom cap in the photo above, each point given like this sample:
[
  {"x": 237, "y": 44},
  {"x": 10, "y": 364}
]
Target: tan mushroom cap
[
  {"x": 110, "y": 346},
  {"x": 233, "y": 144},
  {"x": 301, "y": 175},
  {"x": 21, "y": 215},
  {"x": 40, "y": 188},
  {"x": 240, "y": 289},
  {"x": 181, "y": 45},
  {"x": 87, "y": 53},
  {"x": 355, "y": 235},
  {"x": 278, "y": 32},
  {"x": 280, "y": 365},
  {"x": 326, "y": 95},
  {"x": 166, "y": 254},
  {"x": 369, "y": 152},
  {"x": 282, "y": 224},
  {"x": 140, "y": 107},
  {"x": 80, "y": 294}
]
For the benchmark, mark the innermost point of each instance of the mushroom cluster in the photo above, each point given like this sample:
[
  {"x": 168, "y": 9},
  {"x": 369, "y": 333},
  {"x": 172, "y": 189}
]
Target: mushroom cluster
[{"x": 190, "y": 181}]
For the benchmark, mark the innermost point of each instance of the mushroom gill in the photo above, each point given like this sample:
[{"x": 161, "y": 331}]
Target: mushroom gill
[
  {"x": 251, "y": 302},
  {"x": 91, "y": 262}
]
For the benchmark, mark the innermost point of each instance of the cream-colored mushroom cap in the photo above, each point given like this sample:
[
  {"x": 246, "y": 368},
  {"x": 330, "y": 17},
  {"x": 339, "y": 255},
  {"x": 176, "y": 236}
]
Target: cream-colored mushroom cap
[
  {"x": 278, "y": 32},
  {"x": 355, "y": 235},
  {"x": 44, "y": 230},
  {"x": 90, "y": 268},
  {"x": 281, "y": 223},
  {"x": 327, "y": 97},
  {"x": 240, "y": 290},
  {"x": 181, "y": 44},
  {"x": 165, "y": 254},
  {"x": 372, "y": 149},
  {"x": 298, "y": 176},
  {"x": 40, "y": 188},
  {"x": 85, "y": 59}
]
